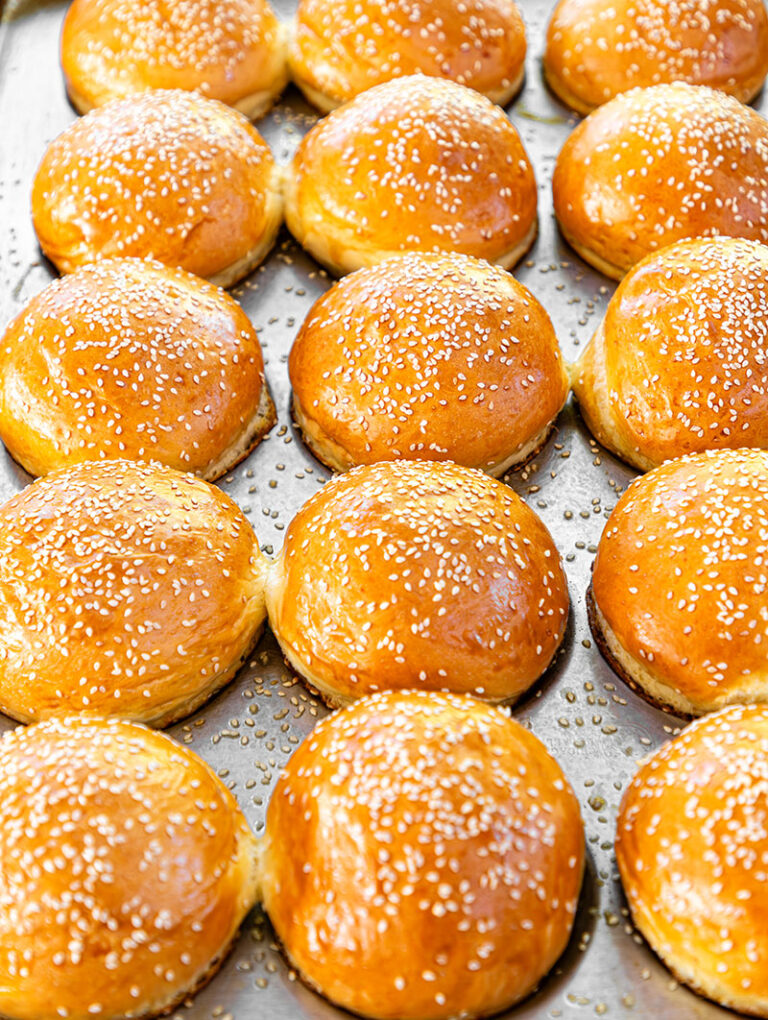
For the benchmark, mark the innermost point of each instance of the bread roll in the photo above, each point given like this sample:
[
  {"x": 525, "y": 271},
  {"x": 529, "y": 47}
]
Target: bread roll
[
  {"x": 599, "y": 48},
  {"x": 417, "y": 574},
  {"x": 129, "y": 359},
  {"x": 422, "y": 858},
  {"x": 690, "y": 846},
  {"x": 124, "y": 590},
  {"x": 678, "y": 589},
  {"x": 427, "y": 357},
  {"x": 679, "y": 363},
  {"x": 127, "y": 870},
  {"x": 340, "y": 48},
  {"x": 658, "y": 165},
  {"x": 166, "y": 174},
  {"x": 416, "y": 164},
  {"x": 230, "y": 50}
]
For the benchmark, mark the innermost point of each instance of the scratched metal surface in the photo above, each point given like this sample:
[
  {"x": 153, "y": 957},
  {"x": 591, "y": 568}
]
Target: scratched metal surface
[{"x": 595, "y": 726}]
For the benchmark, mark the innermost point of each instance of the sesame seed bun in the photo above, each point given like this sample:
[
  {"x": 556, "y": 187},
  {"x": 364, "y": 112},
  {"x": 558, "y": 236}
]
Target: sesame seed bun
[
  {"x": 124, "y": 590},
  {"x": 678, "y": 585},
  {"x": 415, "y": 164},
  {"x": 130, "y": 359},
  {"x": 127, "y": 870},
  {"x": 690, "y": 845},
  {"x": 658, "y": 165},
  {"x": 418, "y": 574},
  {"x": 387, "y": 357},
  {"x": 597, "y": 49},
  {"x": 168, "y": 175},
  {"x": 340, "y": 48},
  {"x": 230, "y": 50},
  {"x": 679, "y": 363},
  {"x": 422, "y": 859}
]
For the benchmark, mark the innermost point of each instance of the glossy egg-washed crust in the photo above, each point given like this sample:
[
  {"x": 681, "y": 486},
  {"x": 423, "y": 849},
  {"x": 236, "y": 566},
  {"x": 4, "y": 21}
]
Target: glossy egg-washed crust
[
  {"x": 127, "y": 871},
  {"x": 128, "y": 358},
  {"x": 165, "y": 174},
  {"x": 230, "y": 50},
  {"x": 597, "y": 49},
  {"x": 340, "y": 48},
  {"x": 422, "y": 859},
  {"x": 658, "y": 165},
  {"x": 415, "y": 164},
  {"x": 679, "y": 581},
  {"x": 690, "y": 846},
  {"x": 124, "y": 590},
  {"x": 418, "y": 574},
  {"x": 680, "y": 363},
  {"x": 427, "y": 357}
]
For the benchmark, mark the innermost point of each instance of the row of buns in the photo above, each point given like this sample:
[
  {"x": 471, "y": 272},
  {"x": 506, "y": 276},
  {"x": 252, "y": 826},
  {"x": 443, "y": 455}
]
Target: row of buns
[
  {"x": 415, "y": 164},
  {"x": 127, "y": 358},
  {"x": 238, "y": 52},
  {"x": 139, "y": 591},
  {"x": 422, "y": 858}
]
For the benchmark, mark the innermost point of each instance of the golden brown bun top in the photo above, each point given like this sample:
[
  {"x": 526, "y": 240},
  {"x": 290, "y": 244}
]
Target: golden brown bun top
[
  {"x": 684, "y": 349},
  {"x": 658, "y": 165},
  {"x": 126, "y": 870},
  {"x": 166, "y": 174},
  {"x": 123, "y": 589},
  {"x": 146, "y": 363},
  {"x": 225, "y": 49},
  {"x": 423, "y": 857},
  {"x": 343, "y": 47},
  {"x": 691, "y": 851},
  {"x": 679, "y": 573},
  {"x": 429, "y": 357},
  {"x": 408, "y": 573},
  {"x": 599, "y": 48},
  {"x": 417, "y": 164}
]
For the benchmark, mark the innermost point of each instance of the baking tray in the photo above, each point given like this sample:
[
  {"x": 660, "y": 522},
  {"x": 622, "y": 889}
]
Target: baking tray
[{"x": 594, "y": 725}]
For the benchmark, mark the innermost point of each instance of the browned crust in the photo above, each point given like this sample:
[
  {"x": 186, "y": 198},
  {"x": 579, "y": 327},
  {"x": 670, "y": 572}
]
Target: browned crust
[{"x": 618, "y": 669}]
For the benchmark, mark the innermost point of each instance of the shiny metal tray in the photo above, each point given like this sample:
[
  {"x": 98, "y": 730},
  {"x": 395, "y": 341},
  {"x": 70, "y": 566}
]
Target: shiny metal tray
[{"x": 595, "y": 726}]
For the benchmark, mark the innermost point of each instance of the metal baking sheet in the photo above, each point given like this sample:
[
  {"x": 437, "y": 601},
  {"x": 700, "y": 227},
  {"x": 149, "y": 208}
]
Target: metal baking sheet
[{"x": 595, "y": 726}]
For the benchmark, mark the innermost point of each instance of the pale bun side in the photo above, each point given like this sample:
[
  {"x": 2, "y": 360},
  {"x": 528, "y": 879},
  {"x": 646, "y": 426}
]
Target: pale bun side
[
  {"x": 231, "y": 50},
  {"x": 125, "y": 589},
  {"x": 388, "y": 173},
  {"x": 678, "y": 364},
  {"x": 422, "y": 858},
  {"x": 339, "y": 49},
  {"x": 597, "y": 49},
  {"x": 689, "y": 851},
  {"x": 130, "y": 359},
  {"x": 168, "y": 175},
  {"x": 435, "y": 356},
  {"x": 409, "y": 574},
  {"x": 128, "y": 868},
  {"x": 658, "y": 165}
]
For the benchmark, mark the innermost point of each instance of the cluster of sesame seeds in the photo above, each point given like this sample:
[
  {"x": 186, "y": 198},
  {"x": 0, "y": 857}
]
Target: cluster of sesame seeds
[
  {"x": 121, "y": 587},
  {"x": 129, "y": 358},
  {"x": 146, "y": 175},
  {"x": 386, "y": 359},
  {"x": 479, "y": 43},
  {"x": 119, "y": 43},
  {"x": 114, "y": 843},
  {"x": 692, "y": 838},
  {"x": 682, "y": 571},
  {"x": 697, "y": 375},
  {"x": 604, "y": 48},
  {"x": 419, "y": 163},
  {"x": 455, "y": 822},
  {"x": 410, "y": 572},
  {"x": 661, "y": 164}
]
